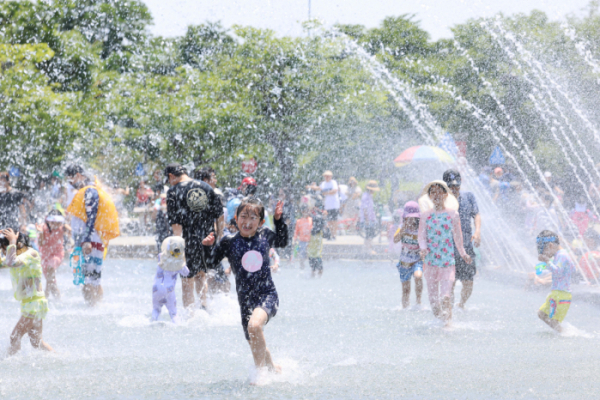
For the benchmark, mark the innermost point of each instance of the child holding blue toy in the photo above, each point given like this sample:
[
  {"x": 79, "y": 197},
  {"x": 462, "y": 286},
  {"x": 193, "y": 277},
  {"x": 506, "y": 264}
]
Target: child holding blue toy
[
  {"x": 559, "y": 263},
  {"x": 410, "y": 263}
]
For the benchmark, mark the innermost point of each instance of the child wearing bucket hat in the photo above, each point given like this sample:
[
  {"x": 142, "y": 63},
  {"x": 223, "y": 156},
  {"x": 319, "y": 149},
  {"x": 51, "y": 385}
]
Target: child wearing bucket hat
[
  {"x": 439, "y": 226},
  {"x": 410, "y": 263},
  {"x": 171, "y": 264}
]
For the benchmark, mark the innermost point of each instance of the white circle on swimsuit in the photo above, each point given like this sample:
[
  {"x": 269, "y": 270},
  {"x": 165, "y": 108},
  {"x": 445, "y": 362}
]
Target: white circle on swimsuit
[{"x": 252, "y": 261}]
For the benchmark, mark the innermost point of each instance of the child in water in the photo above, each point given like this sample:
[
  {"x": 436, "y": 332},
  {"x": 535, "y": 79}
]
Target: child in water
[
  {"x": 410, "y": 259},
  {"x": 315, "y": 245},
  {"x": 171, "y": 264},
  {"x": 302, "y": 234},
  {"x": 51, "y": 243},
  {"x": 558, "y": 262},
  {"x": 440, "y": 224},
  {"x": 248, "y": 255},
  {"x": 26, "y": 276}
]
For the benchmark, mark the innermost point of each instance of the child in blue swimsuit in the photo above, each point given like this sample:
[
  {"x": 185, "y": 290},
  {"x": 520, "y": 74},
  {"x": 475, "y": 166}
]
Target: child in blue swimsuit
[{"x": 248, "y": 255}]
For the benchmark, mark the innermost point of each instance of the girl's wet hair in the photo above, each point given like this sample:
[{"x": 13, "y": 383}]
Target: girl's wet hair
[
  {"x": 438, "y": 185},
  {"x": 21, "y": 239},
  {"x": 254, "y": 203}
]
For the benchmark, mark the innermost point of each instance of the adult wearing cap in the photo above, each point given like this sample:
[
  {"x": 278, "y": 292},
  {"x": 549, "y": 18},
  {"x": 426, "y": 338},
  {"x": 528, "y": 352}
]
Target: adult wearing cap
[
  {"x": 330, "y": 191},
  {"x": 248, "y": 186},
  {"x": 94, "y": 222},
  {"x": 192, "y": 208},
  {"x": 367, "y": 216},
  {"x": 467, "y": 210},
  {"x": 12, "y": 205}
]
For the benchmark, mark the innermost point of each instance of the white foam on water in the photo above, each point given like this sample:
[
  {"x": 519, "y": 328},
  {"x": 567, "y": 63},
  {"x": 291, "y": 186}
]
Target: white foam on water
[
  {"x": 135, "y": 321},
  {"x": 569, "y": 330},
  {"x": 476, "y": 325},
  {"x": 346, "y": 363},
  {"x": 222, "y": 310},
  {"x": 290, "y": 373}
]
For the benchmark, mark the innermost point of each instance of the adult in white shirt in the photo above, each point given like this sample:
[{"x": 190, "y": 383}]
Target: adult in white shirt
[{"x": 331, "y": 199}]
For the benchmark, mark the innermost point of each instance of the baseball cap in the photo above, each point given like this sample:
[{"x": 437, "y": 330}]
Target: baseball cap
[
  {"x": 175, "y": 169},
  {"x": 452, "y": 178},
  {"x": 73, "y": 170},
  {"x": 247, "y": 181}
]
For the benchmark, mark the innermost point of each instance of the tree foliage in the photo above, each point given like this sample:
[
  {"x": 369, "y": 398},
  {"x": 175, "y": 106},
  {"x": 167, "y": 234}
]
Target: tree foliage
[{"x": 85, "y": 79}]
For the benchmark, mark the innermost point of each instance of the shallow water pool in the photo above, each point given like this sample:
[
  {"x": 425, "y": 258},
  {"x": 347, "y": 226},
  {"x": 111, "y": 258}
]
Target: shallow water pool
[{"x": 342, "y": 336}]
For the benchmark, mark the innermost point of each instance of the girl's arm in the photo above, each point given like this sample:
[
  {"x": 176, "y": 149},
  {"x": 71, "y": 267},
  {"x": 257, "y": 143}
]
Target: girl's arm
[
  {"x": 40, "y": 230},
  {"x": 398, "y": 234},
  {"x": 423, "y": 230},
  {"x": 275, "y": 256},
  {"x": 220, "y": 251},
  {"x": 11, "y": 257},
  {"x": 457, "y": 234}
]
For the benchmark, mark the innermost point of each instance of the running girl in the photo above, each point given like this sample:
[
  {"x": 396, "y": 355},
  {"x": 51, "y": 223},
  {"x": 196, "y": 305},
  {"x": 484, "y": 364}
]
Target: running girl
[
  {"x": 439, "y": 224},
  {"x": 410, "y": 260},
  {"x": 248, "y": 255},
  {"x": 51, "y": 242},
  {"x": 26, "y": 276}
]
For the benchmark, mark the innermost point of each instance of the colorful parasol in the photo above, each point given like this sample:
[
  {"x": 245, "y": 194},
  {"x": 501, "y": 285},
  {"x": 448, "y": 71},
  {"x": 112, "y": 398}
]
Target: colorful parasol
[{"x": 422, "y": 153}]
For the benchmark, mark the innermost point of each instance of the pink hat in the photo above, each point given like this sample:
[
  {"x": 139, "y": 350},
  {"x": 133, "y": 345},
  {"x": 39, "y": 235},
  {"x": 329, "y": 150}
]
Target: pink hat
[{"x": 411, "y": 210}]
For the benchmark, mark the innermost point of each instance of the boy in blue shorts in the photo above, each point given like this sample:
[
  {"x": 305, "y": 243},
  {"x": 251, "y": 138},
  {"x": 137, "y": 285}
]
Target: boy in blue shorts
[
  {"x": 558, "y": 262},
  {"x": 410, "y": 260}
]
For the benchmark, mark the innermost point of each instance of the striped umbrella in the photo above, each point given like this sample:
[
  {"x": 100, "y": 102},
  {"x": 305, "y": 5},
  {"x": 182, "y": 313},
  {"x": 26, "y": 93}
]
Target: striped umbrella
[{"x": 422, "y": 153}]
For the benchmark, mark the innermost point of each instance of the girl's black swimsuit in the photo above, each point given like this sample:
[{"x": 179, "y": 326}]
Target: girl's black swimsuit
[{"x": 254, "y": 289}]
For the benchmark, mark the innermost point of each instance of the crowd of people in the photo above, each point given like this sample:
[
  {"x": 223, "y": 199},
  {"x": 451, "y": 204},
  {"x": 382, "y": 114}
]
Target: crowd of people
[
  {"x": 548, "y": 206},
  {"x": 198, "y": 226}
]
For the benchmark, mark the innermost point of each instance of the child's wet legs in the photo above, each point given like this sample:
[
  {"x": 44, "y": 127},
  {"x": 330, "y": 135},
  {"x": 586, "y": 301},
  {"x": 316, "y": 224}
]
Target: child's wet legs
[
  {"x": 51, "y": 285},
  {"x": 258, "y": 345},
  {"x": 466, "y": 292},
  {"x": 17, "y": 334},
  {"x": 35, "y": 336},
  {"x": 552, "y": 323},
  {"x": 405, "y": 294},
  {"x": 418, "y": 286}
]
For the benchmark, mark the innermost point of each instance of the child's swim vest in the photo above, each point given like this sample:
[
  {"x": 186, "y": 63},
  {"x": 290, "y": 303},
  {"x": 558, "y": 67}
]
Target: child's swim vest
[{"x": 107, "y": 220}]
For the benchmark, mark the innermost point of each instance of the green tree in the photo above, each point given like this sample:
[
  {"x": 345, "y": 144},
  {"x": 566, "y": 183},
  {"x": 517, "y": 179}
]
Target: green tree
[{"x": 37, "y": 124}]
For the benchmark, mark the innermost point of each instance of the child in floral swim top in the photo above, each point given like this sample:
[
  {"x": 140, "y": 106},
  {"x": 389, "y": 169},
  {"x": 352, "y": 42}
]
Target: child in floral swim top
[
  {"x": 439, "y": 231},
  {"x": 26, "y": 276}
]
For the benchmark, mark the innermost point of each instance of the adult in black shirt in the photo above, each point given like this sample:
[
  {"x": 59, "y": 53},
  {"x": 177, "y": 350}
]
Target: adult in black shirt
[
  {"x": 192, "y": 208},
  {"x": 12, "y": 205}
]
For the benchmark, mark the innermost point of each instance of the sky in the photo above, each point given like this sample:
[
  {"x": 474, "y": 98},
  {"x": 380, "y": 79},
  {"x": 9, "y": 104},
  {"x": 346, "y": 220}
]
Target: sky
[{"x": 172, "y": 17}]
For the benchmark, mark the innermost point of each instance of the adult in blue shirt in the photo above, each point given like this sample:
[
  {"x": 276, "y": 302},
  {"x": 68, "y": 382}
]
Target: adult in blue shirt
[{"x": 468, "y": 210}]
